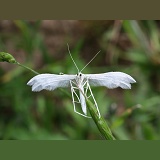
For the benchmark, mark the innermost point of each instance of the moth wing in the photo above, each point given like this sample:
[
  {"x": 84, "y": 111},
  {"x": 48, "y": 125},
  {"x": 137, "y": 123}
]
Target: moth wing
[
  {"x": 111, "y": 80},
  {"x": 50, "y": 81}
]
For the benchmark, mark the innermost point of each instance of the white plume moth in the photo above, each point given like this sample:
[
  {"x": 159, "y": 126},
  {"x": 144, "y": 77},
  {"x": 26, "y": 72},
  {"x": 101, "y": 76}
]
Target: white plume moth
[{"x": 81, "y": 82}]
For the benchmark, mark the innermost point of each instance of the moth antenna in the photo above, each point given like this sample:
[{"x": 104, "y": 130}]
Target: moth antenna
[
  {"x": 90, "y": 61},
  {"x": 72, "y": 57}
]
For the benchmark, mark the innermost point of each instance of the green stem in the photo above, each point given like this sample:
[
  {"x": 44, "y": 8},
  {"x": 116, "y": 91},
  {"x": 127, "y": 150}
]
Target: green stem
[
  {"x": 26, "y": 67},
  {"x": 100, "y": 122}
]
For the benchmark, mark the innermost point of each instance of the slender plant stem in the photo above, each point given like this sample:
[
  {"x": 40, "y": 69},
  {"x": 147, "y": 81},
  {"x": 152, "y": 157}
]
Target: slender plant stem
[
  {"x": 99, "y": 120},
  {"x": 26, "y": 67}
]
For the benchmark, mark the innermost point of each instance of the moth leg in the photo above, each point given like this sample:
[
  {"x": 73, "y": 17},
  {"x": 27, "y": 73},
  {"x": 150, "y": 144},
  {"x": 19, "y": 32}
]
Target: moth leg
[
  {"x": 75, "y": 94},
  {"x": 88, "y": 90},
  {"x": 73, "y": 83},
  {"x": 85, "y": 85},
  {"x": 95, "y": 103},
  {"x": 73, "y": 100}
]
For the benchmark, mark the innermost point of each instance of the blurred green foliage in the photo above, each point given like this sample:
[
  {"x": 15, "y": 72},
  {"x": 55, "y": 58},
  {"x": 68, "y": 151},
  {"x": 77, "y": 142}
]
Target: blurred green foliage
[{"x": 129, "y": 46}]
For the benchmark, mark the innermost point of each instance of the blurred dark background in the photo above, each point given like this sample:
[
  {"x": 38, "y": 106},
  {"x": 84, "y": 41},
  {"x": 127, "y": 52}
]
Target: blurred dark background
[{"x": 128, "y": 46}]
